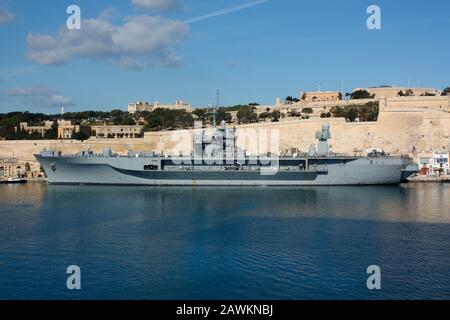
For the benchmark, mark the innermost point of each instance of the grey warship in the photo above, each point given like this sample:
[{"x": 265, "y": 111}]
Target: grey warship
[{"x": 216, "y": 161}]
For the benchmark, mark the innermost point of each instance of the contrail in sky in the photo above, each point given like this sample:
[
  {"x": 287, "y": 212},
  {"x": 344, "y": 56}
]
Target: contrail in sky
[{"x": 226, "y": 11}]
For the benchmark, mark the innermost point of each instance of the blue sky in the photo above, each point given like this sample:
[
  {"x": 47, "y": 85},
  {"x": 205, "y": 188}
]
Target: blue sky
[{"x": 274, "y": 48}]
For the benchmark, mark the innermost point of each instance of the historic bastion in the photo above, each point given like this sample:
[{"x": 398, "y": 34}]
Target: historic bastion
[{"x": 404, "y": 123}]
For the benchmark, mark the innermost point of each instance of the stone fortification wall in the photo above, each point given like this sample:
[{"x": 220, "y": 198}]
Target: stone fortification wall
[{"x": 422, "y": 123}]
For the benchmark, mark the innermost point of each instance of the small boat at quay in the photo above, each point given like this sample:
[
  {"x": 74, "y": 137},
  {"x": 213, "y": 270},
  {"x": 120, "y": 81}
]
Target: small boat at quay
[{"x": 13, "y": 181}]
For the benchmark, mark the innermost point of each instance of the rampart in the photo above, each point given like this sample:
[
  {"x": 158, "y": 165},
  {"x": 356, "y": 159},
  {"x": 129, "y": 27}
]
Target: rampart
[{"x": 421, "y": 124}]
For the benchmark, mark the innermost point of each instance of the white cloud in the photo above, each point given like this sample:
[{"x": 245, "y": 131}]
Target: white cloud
[
  {"x": 109, "y": 13},
  {"x": 160, "y": 5},
  {"x": 141, "y": 41},
  {"x": 6, "y": 17},
  {"x": 39, "y": 96}
]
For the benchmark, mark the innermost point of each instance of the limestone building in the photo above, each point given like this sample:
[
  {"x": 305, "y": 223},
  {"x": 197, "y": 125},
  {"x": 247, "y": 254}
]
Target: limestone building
[
  {"x": 13, "y": 167},
  {"x": 30, "y": 128},
  {"x": 65, "y": 128},
  {"x": 393, "y": 91},
  {"x": 320, "y": 96},
  {"x": 177, "y": 105},
  {"x": 116, "y": 131},
  {"x": 141, "y": 106}
]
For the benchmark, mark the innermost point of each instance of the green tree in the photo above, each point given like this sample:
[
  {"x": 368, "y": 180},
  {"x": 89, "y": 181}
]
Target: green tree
[
  {"x": 116, "y": 113},
  {"x": 361, "y": 94},
  {"x": 168, "y": 119},
  {"x": 365, "y": 112},
  {"x": 276, "y": 115},
  {"x": 52, "y": 133},
  {"x": 81, "y": 135},
  {"x": 201, "y": 114},
  {"x": 446, "y": 91},
  {"x": 294, "y": 113},
  {"x": 127, "y": 121},
  {"x": 223, "y": 115},
  {"x": 352, "y": 114},
  {"x": 247, "y": 114},
  {"x": 338, "y": 112},
  {"x": 307, "y": 110},
  {"x": 264, "y": 115},
  {"x": 86, "y": 116}
]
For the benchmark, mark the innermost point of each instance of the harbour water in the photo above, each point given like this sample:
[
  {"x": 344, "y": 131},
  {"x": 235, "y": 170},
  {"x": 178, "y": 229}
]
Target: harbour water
[{"x": 225, "y": 243}]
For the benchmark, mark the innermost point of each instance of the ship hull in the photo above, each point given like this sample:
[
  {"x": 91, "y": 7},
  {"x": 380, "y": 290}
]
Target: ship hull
[{"x": 128, "y": 171}]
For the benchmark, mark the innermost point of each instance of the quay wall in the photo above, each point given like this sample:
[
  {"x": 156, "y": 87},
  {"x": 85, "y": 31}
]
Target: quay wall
[
  {"x": 397, "y": 131},
  {"x": 438, "y": 103},
  {"x": 24, "y": 150}
]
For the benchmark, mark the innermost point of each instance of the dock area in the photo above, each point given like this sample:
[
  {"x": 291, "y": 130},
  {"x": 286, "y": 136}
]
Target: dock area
[{"x": 429, "y": 179}]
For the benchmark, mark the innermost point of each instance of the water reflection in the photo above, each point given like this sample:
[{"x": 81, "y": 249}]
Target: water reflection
[
  {"x": 222, "y": 243},
  {"x": 408, "y": 203},
  {"x": 38, "y": 208}
]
